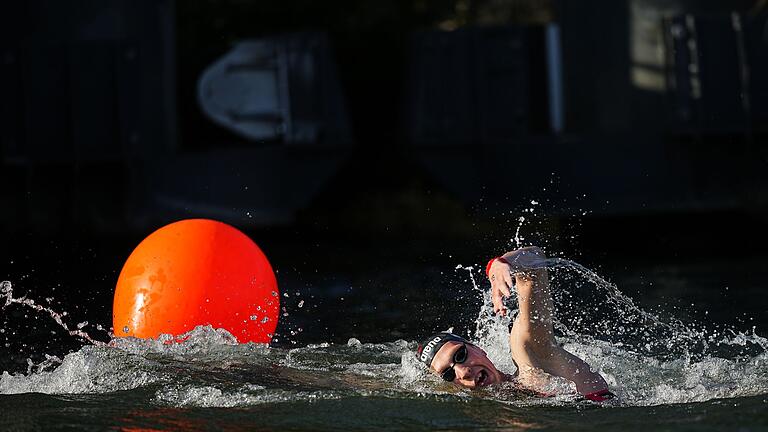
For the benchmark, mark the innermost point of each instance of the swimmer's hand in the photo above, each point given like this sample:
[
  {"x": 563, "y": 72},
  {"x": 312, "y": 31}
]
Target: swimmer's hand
[{"x": 501, "y": 273}]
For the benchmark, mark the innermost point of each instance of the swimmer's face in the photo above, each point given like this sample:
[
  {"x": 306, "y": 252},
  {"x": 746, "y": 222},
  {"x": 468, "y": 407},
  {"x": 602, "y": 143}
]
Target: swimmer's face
[{"x": 474, "y": 372}]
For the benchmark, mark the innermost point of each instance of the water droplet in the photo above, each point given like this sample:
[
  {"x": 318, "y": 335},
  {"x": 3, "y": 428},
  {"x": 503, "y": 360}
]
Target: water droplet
[
  {"x": 301, "y": 303},
  {"x": 254, "y": 317},
  {"x": 264, "y": 320},
  {"x": 274, "y": 293},
  {"x": 125, "y": 329}
]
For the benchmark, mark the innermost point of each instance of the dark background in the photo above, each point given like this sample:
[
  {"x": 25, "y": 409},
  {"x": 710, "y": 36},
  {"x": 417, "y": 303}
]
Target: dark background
[{"x": 411, "y": 137}]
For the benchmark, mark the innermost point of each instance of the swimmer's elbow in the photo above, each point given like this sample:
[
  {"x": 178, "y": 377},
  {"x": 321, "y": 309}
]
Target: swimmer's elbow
[{"x": 542, "y": 347}]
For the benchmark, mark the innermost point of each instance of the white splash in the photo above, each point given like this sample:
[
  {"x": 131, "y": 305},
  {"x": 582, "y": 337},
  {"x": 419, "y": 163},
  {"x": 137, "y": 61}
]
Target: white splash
[{"x": 678, "y": 369}]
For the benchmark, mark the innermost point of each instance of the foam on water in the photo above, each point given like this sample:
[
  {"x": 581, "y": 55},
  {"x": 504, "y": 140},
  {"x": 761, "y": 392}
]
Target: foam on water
[
  {"x": 647, "y": 360},
  {"x": 247, "y": 395},
  {"x": 92, "y": 369}
]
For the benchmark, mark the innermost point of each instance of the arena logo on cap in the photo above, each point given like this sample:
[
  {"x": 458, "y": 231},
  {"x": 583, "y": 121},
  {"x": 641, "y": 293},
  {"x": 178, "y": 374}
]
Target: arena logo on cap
[{"x": 428, "y": 349}]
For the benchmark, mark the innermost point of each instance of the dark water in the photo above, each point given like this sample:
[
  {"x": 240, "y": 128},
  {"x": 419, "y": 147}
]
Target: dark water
[
  {"x": 132, "y": 411},
  {"x": 680, "y": 351}
]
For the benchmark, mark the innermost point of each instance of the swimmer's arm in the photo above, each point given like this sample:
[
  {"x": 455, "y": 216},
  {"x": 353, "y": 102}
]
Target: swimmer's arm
[
  {"x": 532, "y": 337},
  {"x": 532, "y": 334},
  {"x": 532, "y": 285},
  {"x": 564, "y": 364}
]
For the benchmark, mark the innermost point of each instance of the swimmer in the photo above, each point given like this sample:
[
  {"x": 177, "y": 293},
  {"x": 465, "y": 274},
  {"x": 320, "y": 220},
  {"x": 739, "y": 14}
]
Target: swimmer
[{"x": 531, "y": 338}]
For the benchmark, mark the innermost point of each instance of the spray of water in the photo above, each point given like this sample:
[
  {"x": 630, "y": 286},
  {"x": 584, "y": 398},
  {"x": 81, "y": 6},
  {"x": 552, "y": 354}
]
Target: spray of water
[
  {"x": 6, "y": 293},
  {"x": 646, "y": 359}
]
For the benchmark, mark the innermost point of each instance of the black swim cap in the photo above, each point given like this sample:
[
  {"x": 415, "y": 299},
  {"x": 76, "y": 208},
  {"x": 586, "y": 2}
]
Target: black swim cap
[{"x": 427, "y": 349}]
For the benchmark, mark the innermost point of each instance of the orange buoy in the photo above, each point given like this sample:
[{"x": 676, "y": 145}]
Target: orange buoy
[{"x": 196, "y": 272}]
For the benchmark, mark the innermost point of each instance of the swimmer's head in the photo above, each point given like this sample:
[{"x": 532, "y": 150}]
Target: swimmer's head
[{"x": 456, "y": 360}]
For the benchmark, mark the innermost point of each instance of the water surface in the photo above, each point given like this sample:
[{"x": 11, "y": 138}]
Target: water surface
[{"x": 669, "y": 374}]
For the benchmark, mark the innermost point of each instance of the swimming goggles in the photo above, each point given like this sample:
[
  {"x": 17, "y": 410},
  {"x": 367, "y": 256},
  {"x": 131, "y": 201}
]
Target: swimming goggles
[{"x": 459, "y": 356}]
